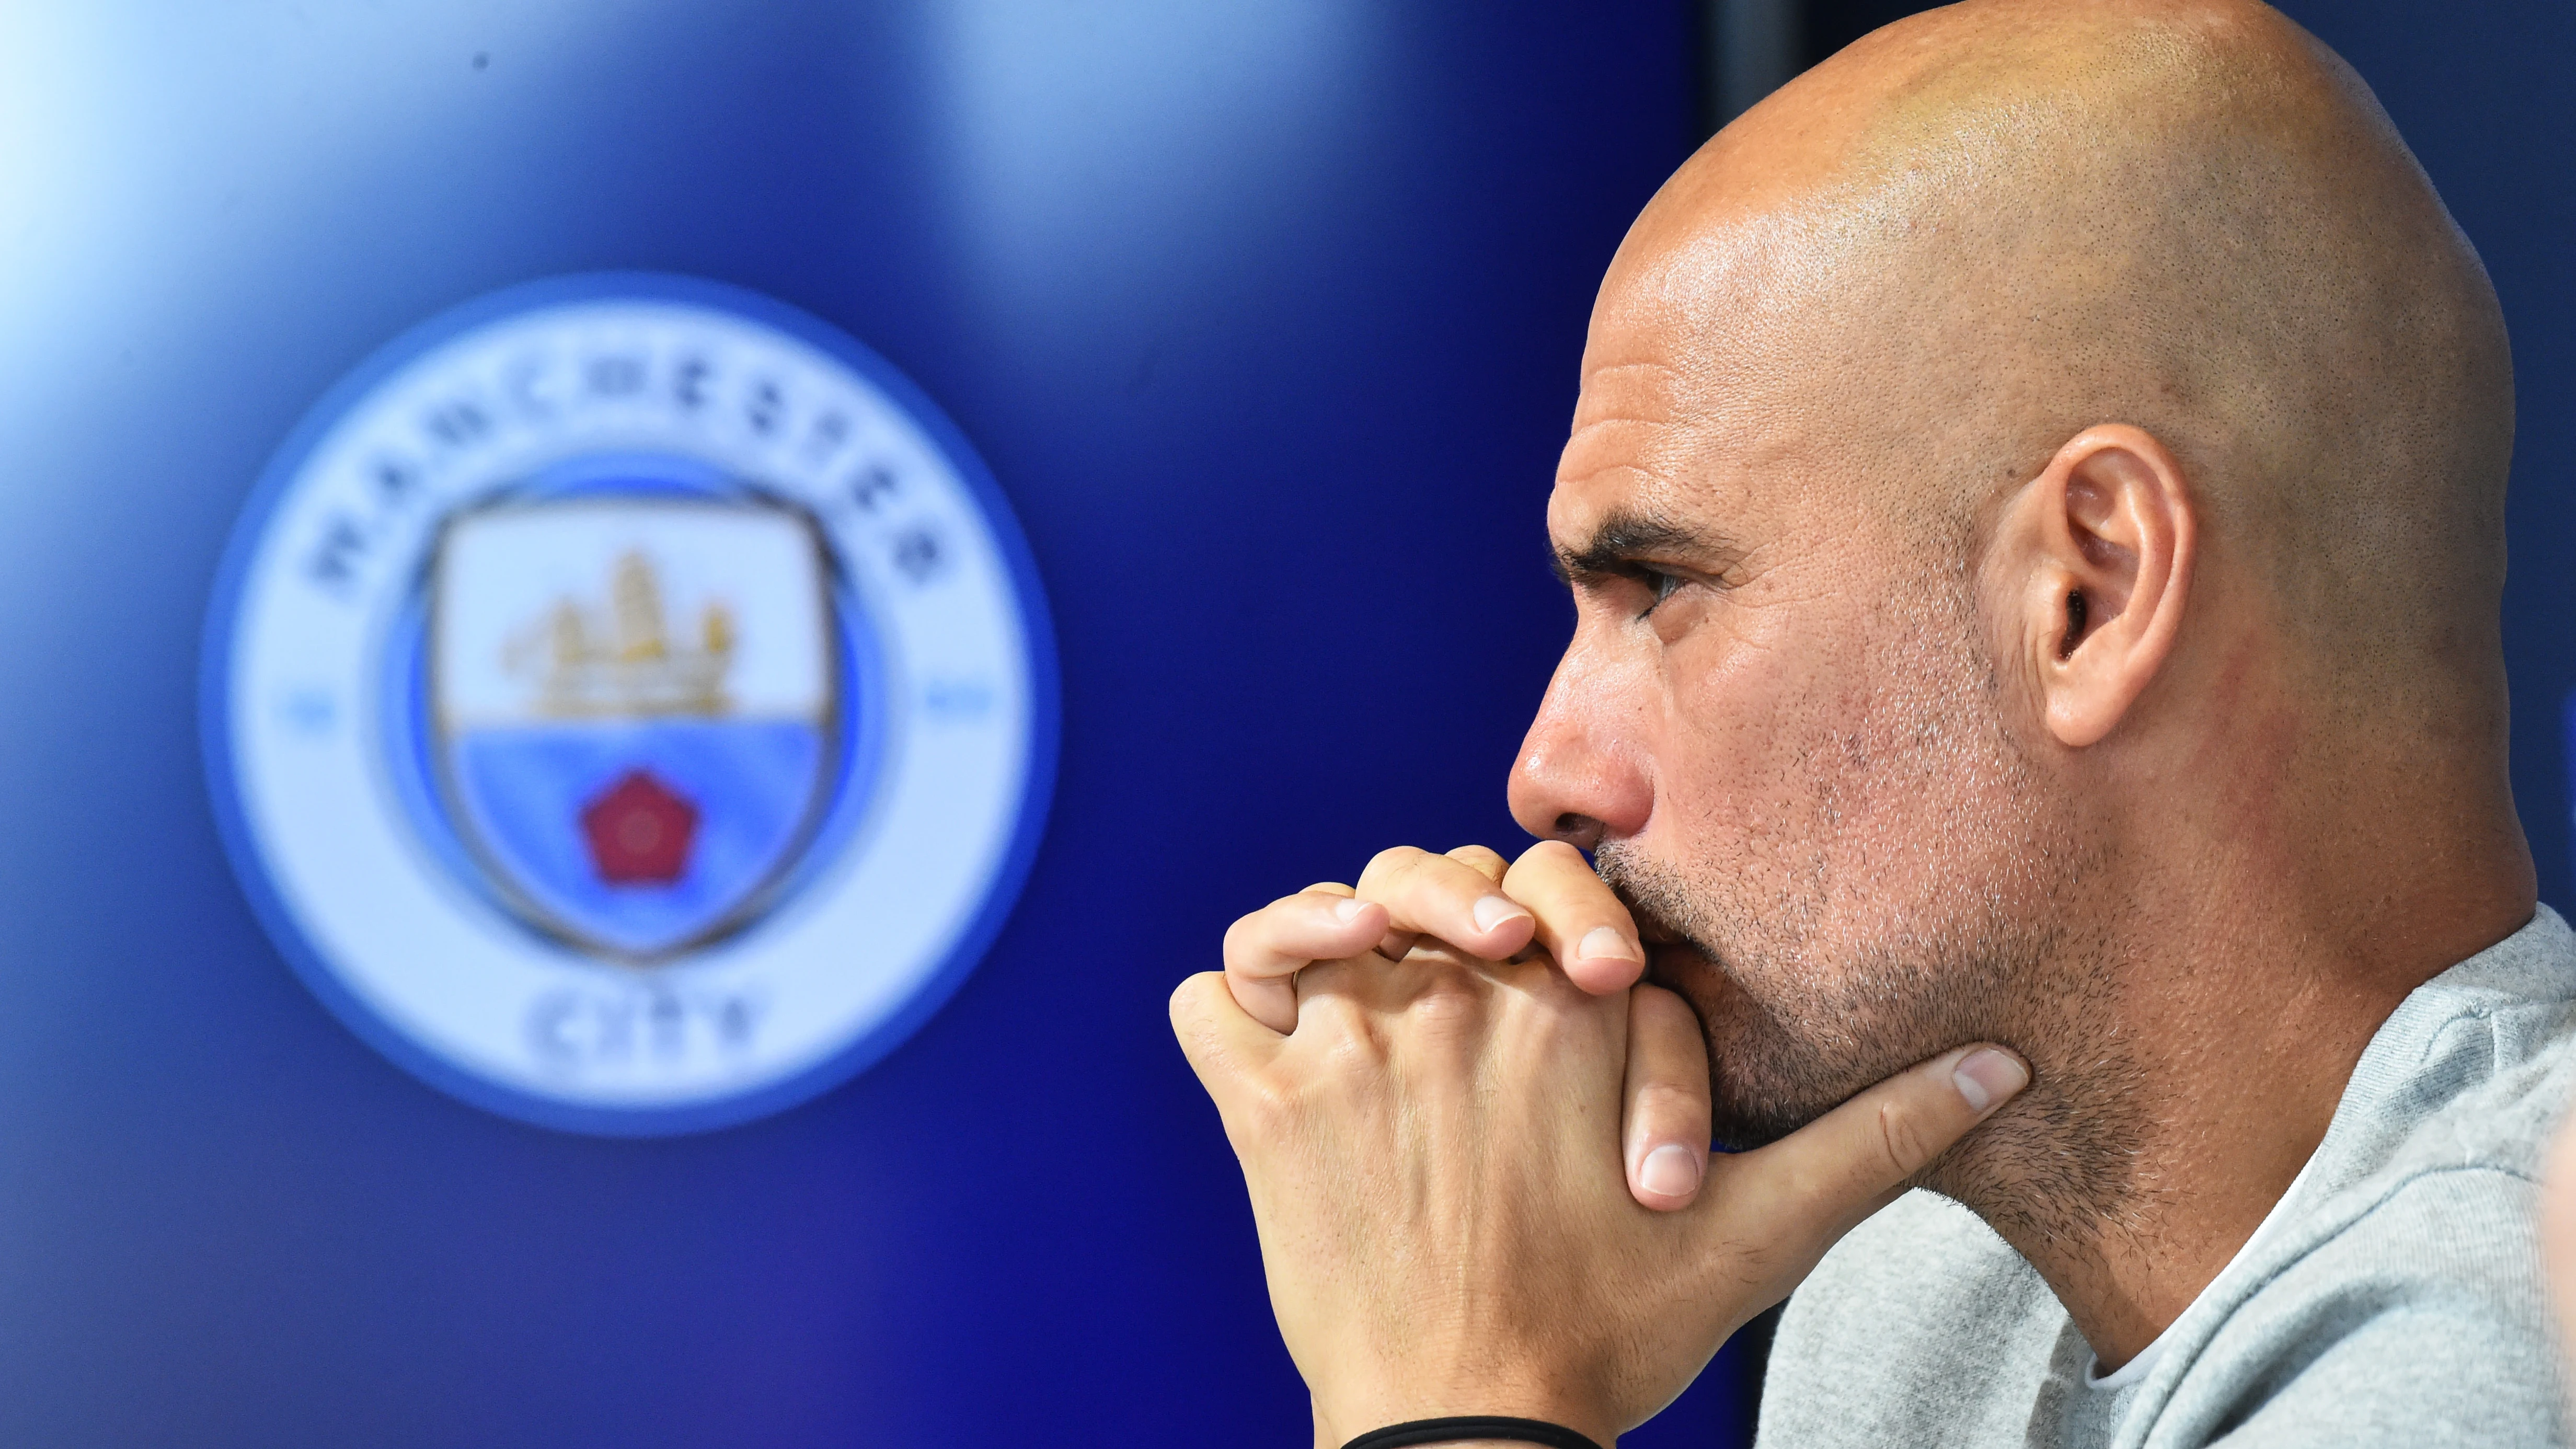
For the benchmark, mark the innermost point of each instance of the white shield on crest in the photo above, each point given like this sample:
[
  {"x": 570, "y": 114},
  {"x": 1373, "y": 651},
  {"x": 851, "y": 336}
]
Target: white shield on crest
[{"x": 634, "y": 703}]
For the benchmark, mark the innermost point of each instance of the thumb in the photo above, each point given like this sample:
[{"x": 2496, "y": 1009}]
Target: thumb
[
  {"x": 1668, "y": 1111},
  {"x": 1806, "y": 1190},
  {"x": 1223, "y": 1042}
]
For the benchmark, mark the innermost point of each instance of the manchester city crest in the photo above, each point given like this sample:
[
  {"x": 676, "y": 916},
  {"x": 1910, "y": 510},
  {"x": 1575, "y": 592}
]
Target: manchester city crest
[{"x": 629, "y": 703}]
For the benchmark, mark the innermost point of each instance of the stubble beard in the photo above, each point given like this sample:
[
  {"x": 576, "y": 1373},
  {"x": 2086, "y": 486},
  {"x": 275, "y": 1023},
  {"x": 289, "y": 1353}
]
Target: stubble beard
[{"x": 1829, "y": 986}]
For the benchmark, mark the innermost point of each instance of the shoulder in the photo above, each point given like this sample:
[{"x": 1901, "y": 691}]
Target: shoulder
[
  {"x": 2401, "y": 1302},
  {"x": 1917, "y": 1324},
  {"x": 2422, "y": 1320},
  {"x": 2473, "y": 1069}
]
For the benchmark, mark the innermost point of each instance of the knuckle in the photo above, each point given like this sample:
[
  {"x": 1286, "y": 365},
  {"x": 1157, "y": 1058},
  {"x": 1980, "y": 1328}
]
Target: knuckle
[
  {"x": 1448, "y": 996},
  {"x": 1348, "y": 1059},
  {"x": 1267, "y": 1109},
  {"x": 1664, "y": 1102},
  {"x": 1903, "y": 1138},
  {"x": 1194, "y": 1028},
  {"x": 1394, "y": 861},
  {"x": 1555, "y": 995},
  {"x": 1188, "y": 999},
  {"x": 1554, "y": 863},
  {"x": 1242, "y": 927},
  {"x": 1350, "y": 1052},
  {"x": 1483, "y": 859},
  {"x": 1554, "y": 992},
  {"x": 1254, "y": 930},
  {"x": 1446, "y": 1013},
  {"x": 1326, "y": 1014},
  {"x": 1545, "y": 888}
]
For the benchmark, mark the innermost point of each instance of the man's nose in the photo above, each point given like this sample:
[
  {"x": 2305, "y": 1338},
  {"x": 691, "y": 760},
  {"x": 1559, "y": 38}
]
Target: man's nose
[{"x": 1584, "y": 773}]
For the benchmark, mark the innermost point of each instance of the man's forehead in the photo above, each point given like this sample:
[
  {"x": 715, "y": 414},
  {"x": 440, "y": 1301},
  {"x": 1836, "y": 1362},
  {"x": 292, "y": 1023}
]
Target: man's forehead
[
  {"x": 1630, "y": 445},
  {"x": 1673, "y": 400}
]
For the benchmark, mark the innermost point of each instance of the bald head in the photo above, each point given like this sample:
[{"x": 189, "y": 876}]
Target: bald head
[
  {"x": 1923, "y": 266},
  {"x": 2034, "y": 514}
]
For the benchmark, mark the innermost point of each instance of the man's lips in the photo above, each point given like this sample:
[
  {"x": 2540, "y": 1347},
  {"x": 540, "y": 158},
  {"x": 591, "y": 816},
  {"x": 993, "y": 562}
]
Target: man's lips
[
  {"x": 1672, "y": 959},
  {"x": 1667, "y": 950},
  {"x": 1652, "y": 928}
]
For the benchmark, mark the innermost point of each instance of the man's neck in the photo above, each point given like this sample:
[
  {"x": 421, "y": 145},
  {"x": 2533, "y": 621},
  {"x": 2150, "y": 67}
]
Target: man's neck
[{"x": 2198, "y": 1089}]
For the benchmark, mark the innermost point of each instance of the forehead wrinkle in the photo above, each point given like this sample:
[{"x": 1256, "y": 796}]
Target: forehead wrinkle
[
  {"x": 1645, "y": 377},
  {"x": 1619, "y": 396},
  {"x": 1613, "y": 444},
  {"x": 1623, "y": 443},
  {"x": 1648, "y": 480}
]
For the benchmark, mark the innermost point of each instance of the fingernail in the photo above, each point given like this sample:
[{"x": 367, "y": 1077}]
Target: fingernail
[
  {"x": 1604, "y": 943},
  {"x": 1492, "y": 911},
  {"x": 1986, "y": 1076},
  {"x": 1348, "y": 911},
  {"x": 1671, "y": 1170}
]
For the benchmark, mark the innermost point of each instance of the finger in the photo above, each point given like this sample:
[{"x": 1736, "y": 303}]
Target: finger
[
  {"x": 1581, "y": 921},
  {"x": 1668, "y": 1112},
  {"x": 1485, "y": 860},
  {"x": 1264, "y": 951},
  {"x": 1442, "y": 896},
  {"x": 1848, "y": 1163},
  {"x": 1222, "y": 1042}
]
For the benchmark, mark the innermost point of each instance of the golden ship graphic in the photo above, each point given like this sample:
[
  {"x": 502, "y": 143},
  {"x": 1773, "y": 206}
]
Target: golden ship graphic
[{"x": 621, "y": 661}]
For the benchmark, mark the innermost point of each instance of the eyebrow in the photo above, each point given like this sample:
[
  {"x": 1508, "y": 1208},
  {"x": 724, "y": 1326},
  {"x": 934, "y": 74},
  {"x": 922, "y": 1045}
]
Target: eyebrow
[{"x": 1625, "y": 538}]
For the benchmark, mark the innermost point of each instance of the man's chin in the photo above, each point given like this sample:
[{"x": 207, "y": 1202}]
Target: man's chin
[{"x": 1763, "y": 1082}]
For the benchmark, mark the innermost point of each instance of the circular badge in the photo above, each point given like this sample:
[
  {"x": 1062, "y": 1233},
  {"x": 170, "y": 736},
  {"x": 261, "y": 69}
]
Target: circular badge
[{"x": 630, "y": 704}]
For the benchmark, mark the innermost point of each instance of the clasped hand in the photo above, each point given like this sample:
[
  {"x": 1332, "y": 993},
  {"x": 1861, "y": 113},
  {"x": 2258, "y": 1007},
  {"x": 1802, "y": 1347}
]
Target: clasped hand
[{"x": 1477, "y": 1146}]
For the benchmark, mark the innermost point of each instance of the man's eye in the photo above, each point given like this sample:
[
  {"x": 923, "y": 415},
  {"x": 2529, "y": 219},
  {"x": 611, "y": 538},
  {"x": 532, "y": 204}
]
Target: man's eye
[{"x": 1662, "y": 584}]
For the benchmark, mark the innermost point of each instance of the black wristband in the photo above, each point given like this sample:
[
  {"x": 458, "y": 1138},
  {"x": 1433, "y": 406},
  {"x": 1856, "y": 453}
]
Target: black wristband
[{"x": 1471, "y": 1426}]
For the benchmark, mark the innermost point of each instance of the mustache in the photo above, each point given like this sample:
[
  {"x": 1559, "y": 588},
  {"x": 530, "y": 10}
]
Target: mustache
[{"x": 1654, "y": 900}]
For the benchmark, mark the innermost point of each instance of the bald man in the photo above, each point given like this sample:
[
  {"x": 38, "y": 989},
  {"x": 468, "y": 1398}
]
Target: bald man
[{"x": 2034, "y": 514}]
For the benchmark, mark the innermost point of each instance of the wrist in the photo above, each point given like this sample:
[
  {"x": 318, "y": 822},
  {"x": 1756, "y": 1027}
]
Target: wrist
[
  {"x": 1606, "y": 1442},
  {"x": 1334, "y": 1432},
  {"x": 1324, "y": 1441}
]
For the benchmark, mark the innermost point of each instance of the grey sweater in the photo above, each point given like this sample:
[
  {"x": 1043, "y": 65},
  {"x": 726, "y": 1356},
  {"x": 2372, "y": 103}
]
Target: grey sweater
[{"x": 2394, "y": 1297}]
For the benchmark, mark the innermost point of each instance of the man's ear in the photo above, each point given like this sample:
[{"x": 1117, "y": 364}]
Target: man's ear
[{"x": 2097, "y": 555}]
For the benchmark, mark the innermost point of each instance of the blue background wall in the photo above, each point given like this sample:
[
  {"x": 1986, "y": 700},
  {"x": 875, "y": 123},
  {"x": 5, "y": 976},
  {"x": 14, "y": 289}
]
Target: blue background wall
[{"x": 1265, "y": 316}]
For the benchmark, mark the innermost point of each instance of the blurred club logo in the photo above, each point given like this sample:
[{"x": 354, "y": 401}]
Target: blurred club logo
[{"x": 629, "y": 703}]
